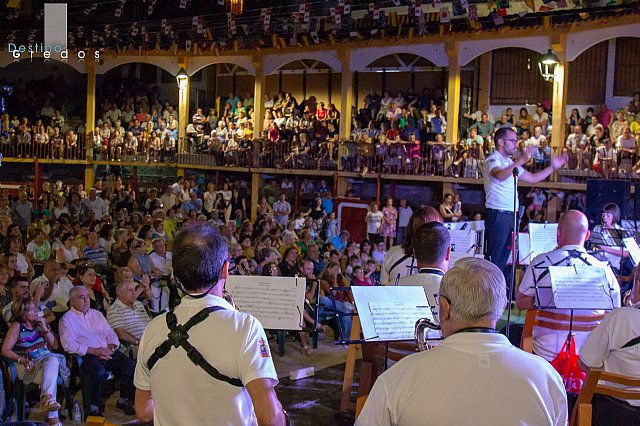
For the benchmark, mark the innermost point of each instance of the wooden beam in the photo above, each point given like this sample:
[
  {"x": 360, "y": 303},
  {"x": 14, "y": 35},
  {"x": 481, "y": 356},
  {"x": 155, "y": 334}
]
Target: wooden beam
[{"x": 453, "y": 93}]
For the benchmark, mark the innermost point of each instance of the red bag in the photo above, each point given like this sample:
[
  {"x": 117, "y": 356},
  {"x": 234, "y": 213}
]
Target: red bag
[{"x": 566, "y": 364}]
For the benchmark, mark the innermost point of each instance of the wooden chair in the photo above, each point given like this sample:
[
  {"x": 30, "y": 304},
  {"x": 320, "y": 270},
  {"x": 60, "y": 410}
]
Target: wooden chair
[
  {"x": 599, "y": 381},
  {"x": 540, "y": 318}
]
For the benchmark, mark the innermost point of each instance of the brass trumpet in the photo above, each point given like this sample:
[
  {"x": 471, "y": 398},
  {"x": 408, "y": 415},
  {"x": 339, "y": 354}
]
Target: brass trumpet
[{"x": 423, "y": 325}]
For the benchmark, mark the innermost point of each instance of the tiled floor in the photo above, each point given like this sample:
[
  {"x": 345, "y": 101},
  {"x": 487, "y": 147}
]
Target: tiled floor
[{"x": 315, "y": 400}]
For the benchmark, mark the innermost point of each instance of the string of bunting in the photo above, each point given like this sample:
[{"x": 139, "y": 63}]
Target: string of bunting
[{"x": 293, "y": 28}]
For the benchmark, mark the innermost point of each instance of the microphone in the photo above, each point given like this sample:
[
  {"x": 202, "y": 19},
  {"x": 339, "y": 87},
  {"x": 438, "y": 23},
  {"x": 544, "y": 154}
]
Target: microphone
[{"x": 516, "y": 172}]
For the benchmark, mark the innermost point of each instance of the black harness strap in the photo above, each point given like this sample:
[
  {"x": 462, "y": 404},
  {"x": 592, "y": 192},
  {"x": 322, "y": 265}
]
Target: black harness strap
[
  {"x": 178, "y": 337},
  {"x": 631, "y": 342},
  {"x": 402, "y": 259}
]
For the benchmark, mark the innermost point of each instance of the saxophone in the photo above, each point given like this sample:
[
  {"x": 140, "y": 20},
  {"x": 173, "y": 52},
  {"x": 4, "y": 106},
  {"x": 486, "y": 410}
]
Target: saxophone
[{"x": 423, "y": 325}]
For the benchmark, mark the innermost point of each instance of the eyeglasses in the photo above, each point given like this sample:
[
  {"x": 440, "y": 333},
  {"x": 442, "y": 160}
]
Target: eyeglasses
[
  {"x": 437, "y": 299},
  {"x": 509, "y": 140}
]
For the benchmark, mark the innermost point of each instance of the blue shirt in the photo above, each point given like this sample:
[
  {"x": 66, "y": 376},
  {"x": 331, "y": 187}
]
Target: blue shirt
[
  {"x": 327, "y": 205},
  {"x": 337, "y": 243}
]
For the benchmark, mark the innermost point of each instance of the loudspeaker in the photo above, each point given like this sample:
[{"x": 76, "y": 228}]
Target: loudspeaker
[{"x": 601, "y": 192}]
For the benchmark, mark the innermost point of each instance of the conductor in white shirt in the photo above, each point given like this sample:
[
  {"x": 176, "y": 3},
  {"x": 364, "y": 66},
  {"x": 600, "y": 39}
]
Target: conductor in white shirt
[
  {"x": 475, "y": 376},
  {"x": 499, "y": 189}
]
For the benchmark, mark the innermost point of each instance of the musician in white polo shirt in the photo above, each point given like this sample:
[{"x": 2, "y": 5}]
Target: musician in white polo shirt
[
  {"x": 573, "y": 231},
  {"x": 432, "y": 250},
  {"x": 475, "y": 376}
]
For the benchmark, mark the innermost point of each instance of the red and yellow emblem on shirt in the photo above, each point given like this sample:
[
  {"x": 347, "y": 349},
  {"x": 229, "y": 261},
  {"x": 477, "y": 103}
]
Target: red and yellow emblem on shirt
[{"x": 264, "y": 348}]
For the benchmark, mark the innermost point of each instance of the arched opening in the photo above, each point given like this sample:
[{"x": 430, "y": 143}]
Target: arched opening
[
  {"x": 502, "y": 79},
  {"x": 36, "y": 81},
  {"x": 47, "y": 103},
  {"x": 309, "y": 81},
  {"x": 401, "y": 72},
  {"x": 213, "y": 85}
]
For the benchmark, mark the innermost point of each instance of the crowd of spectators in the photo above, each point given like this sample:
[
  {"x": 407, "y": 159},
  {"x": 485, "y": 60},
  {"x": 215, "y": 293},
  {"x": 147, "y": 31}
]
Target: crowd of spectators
[
  {"x": 401, "y": 134},
  {"x": 106, "y": 253}
]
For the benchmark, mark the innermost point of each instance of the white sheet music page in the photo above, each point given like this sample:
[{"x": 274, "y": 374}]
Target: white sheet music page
[
  {"x": 462, "y": 241},
  {"x": 634, "y": 251},
  {"x": 365, "y": 296},
  {"x": 580, "y": 287},
  {"x": 397, "y": 320},
  {"x": 543, "y": 238},
  {"x": 277, "y": 302}
]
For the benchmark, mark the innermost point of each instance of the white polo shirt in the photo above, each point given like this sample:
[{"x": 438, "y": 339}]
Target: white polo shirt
[
  {"x": 469, "y": 379},
  {"x": 183, "y": 393},
  {"x": 499, "y": 194},
  {"x": 546, "y": 342},
  {"x": 603, "y": 347}
]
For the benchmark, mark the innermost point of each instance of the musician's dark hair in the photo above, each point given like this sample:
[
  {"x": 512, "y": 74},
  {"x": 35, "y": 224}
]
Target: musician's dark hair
[
  {"x": 614, "y": 210},
  {"x": 420, "y": 216},
  {"x": 431, "y": 242},
  {"x": 199, "y": 254}
]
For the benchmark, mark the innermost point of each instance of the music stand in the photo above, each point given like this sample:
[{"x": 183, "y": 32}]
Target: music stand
[
  {"x": 613, "y": 238},
  {"x": 545, "y": 270}
]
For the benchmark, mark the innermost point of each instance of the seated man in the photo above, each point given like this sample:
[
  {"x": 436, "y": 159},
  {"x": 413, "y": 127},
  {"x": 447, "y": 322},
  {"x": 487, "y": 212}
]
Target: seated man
[
  {"x": 472, "y": 299},
  {"x": 19, "y": 287},
  {"x": 127, "y": 316},
  {"x": 56, "y": 287},
  {"x": 573, "y": 231},
  {"x": 95, "y": 252},
  {"x": 86, "y": 332},
  {"x": 614, "y": 347}
]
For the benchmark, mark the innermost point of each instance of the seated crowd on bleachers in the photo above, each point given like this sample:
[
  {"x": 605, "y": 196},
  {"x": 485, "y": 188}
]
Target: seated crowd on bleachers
[{"x": 405, "y": 134}]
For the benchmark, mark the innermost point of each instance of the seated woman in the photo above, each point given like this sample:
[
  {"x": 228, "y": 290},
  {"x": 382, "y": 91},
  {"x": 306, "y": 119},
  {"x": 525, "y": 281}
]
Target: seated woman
[
  {"x": 447, "y": 209},
  {"x": 87, "y": 277},
  {"x": 68, "y": 251},
  {"x": 140, "y": 263},
  {"x": 330, "y": 277},
  {"x": 29, "y": 343}
]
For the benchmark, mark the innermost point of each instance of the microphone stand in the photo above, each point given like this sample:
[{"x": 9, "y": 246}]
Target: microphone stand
[{"x": 514, "y": 246}]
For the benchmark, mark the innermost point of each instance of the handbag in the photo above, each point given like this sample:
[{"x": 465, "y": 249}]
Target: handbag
[{"x": 566, "y": 364}]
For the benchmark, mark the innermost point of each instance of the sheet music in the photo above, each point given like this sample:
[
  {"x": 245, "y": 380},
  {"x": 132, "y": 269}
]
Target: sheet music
[
  {"x": 277, "y": 302},
  {"x": 580, "y": 287},
  {"x": 397, "y": 320},
  {"x": 364, "y": 296},
  {"x": 462, "y": 241},
  {"x": 632, "y": 247},
  {"x": 543, "y": 237}
]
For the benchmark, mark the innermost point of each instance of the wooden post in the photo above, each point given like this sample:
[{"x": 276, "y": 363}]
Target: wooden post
[
  {"x": 255, "y": 194},
  {"x": 258, "y": 102},
  {"x": 183, "y": 108},
  {"x": 90, "y": 123},
  {"x": 350, "y": 366},
  {"x": 560, "y": 89},
  {"x": 453, "y": 93}
]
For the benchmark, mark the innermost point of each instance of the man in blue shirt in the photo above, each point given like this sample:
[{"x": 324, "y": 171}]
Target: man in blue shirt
[
  {"x": 327, "y": 202},
  {"x": 340, "y": 241}
]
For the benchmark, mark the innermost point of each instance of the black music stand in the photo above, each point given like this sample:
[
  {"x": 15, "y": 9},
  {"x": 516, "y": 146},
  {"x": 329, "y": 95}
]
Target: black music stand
[{"x": 544, "y": 271}]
